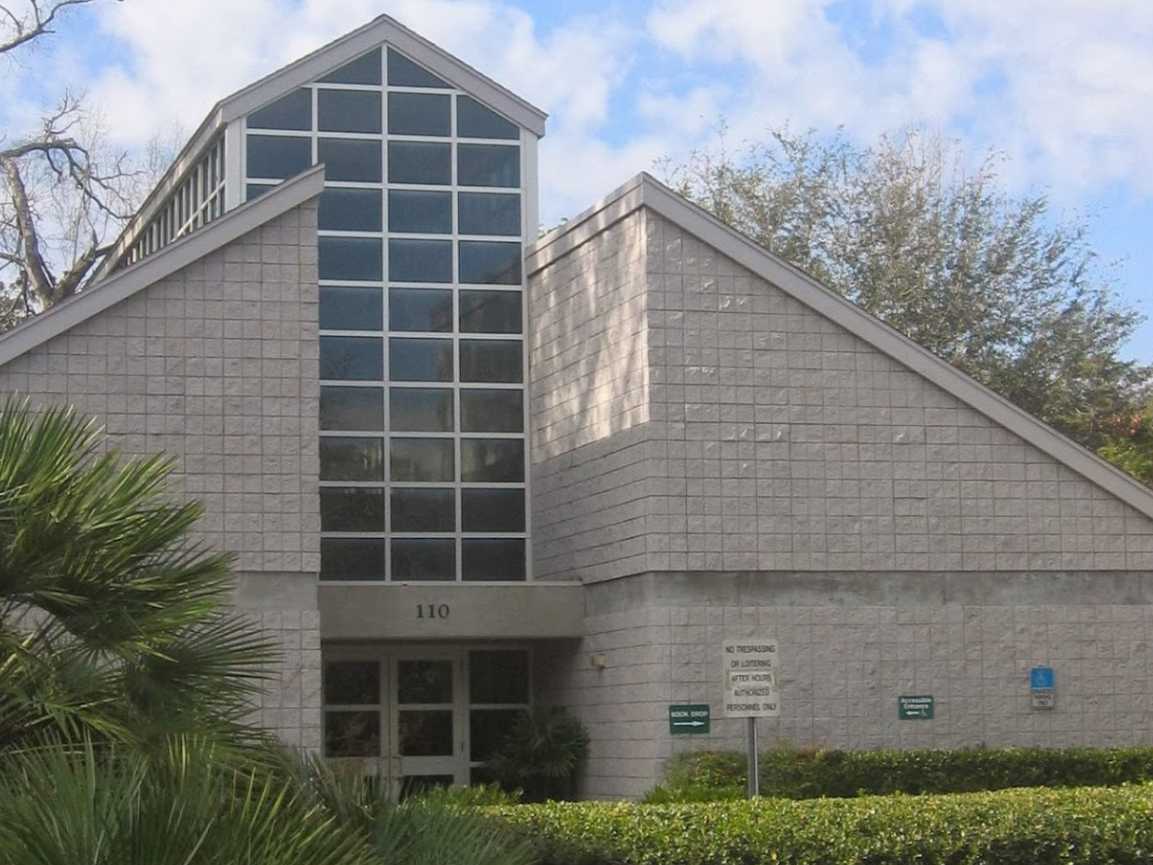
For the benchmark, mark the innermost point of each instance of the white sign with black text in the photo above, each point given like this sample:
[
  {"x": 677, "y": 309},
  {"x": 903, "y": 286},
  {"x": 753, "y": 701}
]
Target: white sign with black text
[{"x": 750, "y": 668}]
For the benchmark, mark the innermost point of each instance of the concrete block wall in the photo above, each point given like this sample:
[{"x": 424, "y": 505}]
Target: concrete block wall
[
  {"x": 589, "y": 365},
  {"x": 846, "y": 659},
  {"x": 216, "y": 365},
  {"x": 801, "y": 447},
  {"x": 789, "y": 480},
  {"x": 769, "y": 438}
]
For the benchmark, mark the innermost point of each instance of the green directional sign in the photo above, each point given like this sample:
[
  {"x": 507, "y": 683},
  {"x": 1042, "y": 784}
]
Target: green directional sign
[
  {"x": 687, "y": 719},
  {"x": 918, "y": 708}
]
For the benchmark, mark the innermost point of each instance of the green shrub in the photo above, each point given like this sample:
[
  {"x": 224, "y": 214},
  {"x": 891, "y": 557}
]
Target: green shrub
[
  {"x": 434, "y": 827},
  {"x": 805, "y": 774},
  {"x": 1088, "y": 826},
  {"x": 541, "y": 753}
]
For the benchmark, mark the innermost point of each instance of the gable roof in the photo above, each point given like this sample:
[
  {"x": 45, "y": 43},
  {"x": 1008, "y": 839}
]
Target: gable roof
[
  {"x": 382, "y": 29},
  {"x": 350, "y": 46},
  {"x": 645, "y": 191},
  {"x": 164, "y": 262}
]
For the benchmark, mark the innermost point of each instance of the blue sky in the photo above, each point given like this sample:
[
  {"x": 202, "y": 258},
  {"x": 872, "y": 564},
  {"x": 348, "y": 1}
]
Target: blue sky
[{"x": 1063, "y": 87}]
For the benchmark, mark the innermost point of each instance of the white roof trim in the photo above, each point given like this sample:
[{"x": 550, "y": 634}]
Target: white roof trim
[
  {"x": 166, "y": 261},
  {"x": 384, "y": 29},
  {"x": 646, "y": 191},
  {"x": 188, "y": 156}
]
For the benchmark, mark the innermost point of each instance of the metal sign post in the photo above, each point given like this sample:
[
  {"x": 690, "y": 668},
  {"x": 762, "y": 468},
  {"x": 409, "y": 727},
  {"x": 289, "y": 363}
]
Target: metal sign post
[
  {"x": 754, "y": 785},
  {"x": 749, "y": 668}
]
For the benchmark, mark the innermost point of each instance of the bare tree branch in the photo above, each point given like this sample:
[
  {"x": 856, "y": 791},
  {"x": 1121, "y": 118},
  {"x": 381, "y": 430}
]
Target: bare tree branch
[
  {"x": 35, "y": 268},
  {"x": 35, "y": 22}
]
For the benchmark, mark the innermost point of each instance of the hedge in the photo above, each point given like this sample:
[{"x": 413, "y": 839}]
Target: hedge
[
  {"x": 806, "y": 774},
  {"x": 1085, "y": 826}
]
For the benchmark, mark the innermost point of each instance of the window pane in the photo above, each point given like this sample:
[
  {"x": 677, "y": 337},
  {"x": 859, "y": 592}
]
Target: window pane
[
  {"x": 347, "y": 111},
  {"x": 491, "y": 410},
  {"x": 420, "y": 309},
  {"x": 423, "y": 559},
  {"x": 420, "y": 260},
  {"x": 277, "y": 155},
  {"x": 350, "y": 258},
  {"x": 424, "y": 681},
  {"x": 419, "y": 162},
  {"x": 420, "y": 359},
  {"x": 490, "y": 311},
  {"x": 345, "y": 159},
  {"x": 418, "y": 409},
  {"x": 351, "y": 408},
  {"x": 492, "y": 460},
  {"x": 487, "y": 165},
  {"x": 351, "y": 459},
  {"x": 491, "y": 360},
  {"x": 345, "y": 307},
  {"x": 402, "y": 72},
  {"x": 421, "y": 459},
  {"x": 474, "y": 120},
  {"x": 423, "y": 510},
  {"x": 351, "y": 358},
  {"x": 490, "y": 261},
  {"x": 353, "y": 683},
  {"x": 425, "y": 732},
  {"x": 493, "y": 559},
  {"x": 252, "y": 191},
  {"x": 488, "y": 213},
  {"x": 498, "y": 676},
  {"x": 293, "y": 111},
  {"x": 351, "y": 559},
  {"x": 351, "y": 509},
  {"x": 419, "y": 114},
  {"x": 350, "y": 210},
  {"x": 362, "y": 70},
  {"x": 420, "y": 212},
  {"x": 492, "y": 510},
  {"x": 352, "y": 734},
  {"x": 488, "y": 728}
]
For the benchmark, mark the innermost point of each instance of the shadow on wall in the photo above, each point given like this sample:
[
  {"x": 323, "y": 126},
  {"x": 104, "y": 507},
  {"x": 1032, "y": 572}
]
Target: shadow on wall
[{"x": 590, "y": 371}]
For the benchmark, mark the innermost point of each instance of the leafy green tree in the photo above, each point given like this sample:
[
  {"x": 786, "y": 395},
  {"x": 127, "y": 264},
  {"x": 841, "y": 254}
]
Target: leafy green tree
[
  {"x": 1129, "y": 444},
  {"x": 114, "y": 625},
  {"x": 989, "y": 282}
]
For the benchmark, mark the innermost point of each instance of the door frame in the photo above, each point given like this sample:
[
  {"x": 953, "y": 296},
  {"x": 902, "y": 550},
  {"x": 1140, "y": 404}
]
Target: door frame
[
  {"x": 455, "y": 764},
  {"x": 390, "y": 764}
]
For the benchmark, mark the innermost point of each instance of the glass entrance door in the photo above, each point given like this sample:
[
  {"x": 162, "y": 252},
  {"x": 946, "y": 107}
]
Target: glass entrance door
[
  {"x": 422, "y": 715},
  {"x": 431, "y": 728}
]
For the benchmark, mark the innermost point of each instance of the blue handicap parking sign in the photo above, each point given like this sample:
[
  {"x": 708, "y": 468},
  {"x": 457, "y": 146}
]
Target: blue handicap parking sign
[{"x": 1041, "y": 679}]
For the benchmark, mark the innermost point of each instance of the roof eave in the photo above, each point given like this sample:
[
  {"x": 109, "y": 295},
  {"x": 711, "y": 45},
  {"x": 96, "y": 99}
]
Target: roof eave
[
  {"x": 188, "y": 156},
  {"x": 166, "y": 261}
]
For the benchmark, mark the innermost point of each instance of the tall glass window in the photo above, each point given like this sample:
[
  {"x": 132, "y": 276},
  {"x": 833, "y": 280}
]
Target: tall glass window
[{"x": 422, "y": 362}]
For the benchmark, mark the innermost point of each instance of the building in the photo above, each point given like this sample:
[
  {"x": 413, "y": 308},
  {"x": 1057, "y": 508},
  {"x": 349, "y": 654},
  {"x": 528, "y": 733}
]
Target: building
[{"x": 464, "y": 469}]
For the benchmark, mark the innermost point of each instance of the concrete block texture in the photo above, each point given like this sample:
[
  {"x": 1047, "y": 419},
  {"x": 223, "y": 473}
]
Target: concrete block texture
[
  {"x": 216, "y": 366},
  {"x": 733, "y": 428}
]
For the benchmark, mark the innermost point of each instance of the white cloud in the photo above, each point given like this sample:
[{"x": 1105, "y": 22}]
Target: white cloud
[
  {"x": 1065, "y": 86},
  {"x": 179, "y": 58}
]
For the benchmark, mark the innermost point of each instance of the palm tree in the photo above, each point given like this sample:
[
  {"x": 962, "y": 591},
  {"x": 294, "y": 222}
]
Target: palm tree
[
  {"x": 114, "y": 625},
  {"x": 60, "y": 806}
]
